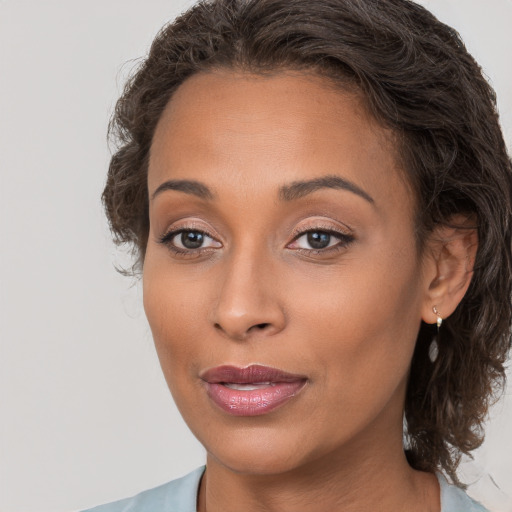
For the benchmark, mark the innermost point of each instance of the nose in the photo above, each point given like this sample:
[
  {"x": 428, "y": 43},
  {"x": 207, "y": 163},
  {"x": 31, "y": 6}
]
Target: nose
[{"x": 248, "y": 304}]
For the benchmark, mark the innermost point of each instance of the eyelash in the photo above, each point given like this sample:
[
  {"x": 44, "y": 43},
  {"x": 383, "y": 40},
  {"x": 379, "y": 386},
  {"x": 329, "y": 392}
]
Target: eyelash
[
  {"x": 344, "y": 240},
  {"x": 168, "y": 238}
]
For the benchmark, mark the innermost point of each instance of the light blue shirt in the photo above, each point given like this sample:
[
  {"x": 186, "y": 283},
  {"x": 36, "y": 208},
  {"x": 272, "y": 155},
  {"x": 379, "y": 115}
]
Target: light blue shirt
[{"x": 181, "y": 496}]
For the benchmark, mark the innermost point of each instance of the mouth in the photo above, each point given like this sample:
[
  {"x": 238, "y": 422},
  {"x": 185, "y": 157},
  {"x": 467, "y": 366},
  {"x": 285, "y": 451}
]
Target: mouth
[{"x": 251, "y": 391}]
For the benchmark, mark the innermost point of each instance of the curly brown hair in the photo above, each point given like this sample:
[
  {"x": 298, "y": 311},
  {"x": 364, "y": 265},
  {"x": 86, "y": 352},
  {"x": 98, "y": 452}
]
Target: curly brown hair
[{"x": 417, "y": 79}]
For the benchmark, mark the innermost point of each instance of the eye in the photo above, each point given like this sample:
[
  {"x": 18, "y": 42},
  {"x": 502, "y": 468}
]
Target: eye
[
  {"x": 190, "y": 239},
  {"x": 320, "y": 240},
  {"x": 187, "y": 240},
  {"x": 315, "y": 240}
]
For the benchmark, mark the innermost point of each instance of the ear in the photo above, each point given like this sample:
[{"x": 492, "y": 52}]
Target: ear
[{"x": 448, "y": 266}]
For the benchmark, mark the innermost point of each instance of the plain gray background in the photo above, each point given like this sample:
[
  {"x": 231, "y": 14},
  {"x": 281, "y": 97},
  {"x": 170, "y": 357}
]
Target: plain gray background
[{"x": 85, "y": 414}]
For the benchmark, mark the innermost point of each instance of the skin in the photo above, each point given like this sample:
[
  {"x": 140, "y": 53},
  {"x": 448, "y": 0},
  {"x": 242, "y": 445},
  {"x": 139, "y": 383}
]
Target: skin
[{"x": 346, "y": 317}]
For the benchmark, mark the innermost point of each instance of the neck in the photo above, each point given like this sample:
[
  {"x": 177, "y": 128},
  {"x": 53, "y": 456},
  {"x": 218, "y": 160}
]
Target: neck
[{"x": 365, "y": 476}]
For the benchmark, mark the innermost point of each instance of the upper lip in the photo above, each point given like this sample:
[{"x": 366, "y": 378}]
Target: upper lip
[{"x": 249, "y": 374}]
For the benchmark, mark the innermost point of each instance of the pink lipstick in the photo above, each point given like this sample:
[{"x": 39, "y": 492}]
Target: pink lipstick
[{"x": 251, "y": 391}]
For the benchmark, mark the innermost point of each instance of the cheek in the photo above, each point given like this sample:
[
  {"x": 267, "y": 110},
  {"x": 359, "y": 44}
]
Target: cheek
[
  {"x": 172, "y": 306},
  {"x": 365, "y": 317}
]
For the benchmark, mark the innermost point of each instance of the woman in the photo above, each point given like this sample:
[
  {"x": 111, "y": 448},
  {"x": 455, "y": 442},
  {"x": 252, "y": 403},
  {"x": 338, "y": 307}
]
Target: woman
[{"x": 320, "y": 197}]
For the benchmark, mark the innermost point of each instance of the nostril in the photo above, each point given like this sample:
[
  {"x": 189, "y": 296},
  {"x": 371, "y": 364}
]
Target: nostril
[{"x": 241, "y": 333}]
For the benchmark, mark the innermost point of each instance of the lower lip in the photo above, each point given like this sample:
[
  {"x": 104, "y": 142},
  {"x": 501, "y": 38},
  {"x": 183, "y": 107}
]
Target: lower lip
[{"x": 254, "y": 402}]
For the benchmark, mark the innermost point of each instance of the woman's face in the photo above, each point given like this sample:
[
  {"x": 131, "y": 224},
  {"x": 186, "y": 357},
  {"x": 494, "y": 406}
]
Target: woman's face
[{"x": 281, "y": 279}]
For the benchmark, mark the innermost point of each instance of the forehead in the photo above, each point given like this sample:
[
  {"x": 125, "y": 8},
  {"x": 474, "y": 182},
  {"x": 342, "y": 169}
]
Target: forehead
[{"x": 229, "y": 128}]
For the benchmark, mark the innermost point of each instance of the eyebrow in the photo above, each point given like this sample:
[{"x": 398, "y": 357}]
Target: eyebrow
[
  {"x": 291, "y": 192},
  {"x": 299, "y": 189},
  {"x": 192, "y": 187}
]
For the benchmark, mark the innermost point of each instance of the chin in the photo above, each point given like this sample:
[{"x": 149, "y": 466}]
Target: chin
[
  {"x": 257, "y": 452},
  {"x": 256, "y": 464}
]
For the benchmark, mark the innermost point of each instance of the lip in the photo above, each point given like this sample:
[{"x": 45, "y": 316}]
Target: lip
[{"x": 267, "y": 388}]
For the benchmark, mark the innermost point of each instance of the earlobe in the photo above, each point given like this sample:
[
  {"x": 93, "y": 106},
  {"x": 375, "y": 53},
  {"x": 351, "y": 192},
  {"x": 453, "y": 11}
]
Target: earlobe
[{"x": 450, "y": 258}]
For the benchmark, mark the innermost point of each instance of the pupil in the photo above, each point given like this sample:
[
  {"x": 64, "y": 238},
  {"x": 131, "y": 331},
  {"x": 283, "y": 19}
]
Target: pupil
[
  {"x": 192, "y": 239},
  {"x": 319, "y": 240}
]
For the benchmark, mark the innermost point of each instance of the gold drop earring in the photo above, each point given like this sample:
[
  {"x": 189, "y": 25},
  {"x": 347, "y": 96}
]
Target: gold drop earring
[{"x": 433, "y": 350}]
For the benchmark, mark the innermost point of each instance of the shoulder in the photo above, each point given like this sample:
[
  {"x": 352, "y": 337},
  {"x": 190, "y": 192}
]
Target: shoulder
[
  {"x": 454, "y": 499},
  {"x": 176, "y": 496}
]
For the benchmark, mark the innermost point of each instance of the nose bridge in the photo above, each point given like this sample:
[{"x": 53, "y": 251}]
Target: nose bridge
[{"x": 248, "y": 300}]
